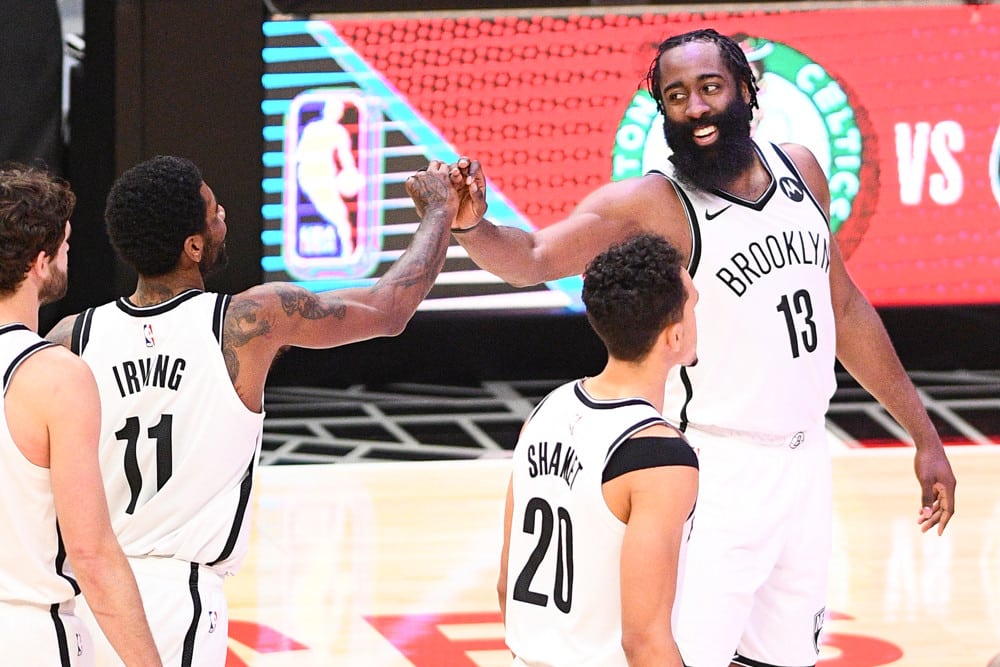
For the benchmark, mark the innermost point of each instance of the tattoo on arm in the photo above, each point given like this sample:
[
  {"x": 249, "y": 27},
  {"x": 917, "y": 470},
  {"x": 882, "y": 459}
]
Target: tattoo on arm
[
  {"x": 308, "y": 305},
  {"x": 244, "y": 322},
  {"x": 62, "y": 333}
]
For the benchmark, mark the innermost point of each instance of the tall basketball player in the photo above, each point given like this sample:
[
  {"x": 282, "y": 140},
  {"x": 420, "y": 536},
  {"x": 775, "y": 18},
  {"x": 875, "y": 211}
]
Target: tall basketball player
[
  {"x": 777, "y": 308},
  {"x": 54, "y": 524},
  {"x": 602, "y": 492},
  {"x": 181, "y": 374}
]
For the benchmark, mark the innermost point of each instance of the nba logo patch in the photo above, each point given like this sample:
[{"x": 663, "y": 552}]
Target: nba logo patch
[{"x": 147, "y": 332}]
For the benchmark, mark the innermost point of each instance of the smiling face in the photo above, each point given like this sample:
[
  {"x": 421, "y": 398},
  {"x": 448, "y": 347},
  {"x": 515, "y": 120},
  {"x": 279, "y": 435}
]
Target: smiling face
[{"x": 707, "y": 117}]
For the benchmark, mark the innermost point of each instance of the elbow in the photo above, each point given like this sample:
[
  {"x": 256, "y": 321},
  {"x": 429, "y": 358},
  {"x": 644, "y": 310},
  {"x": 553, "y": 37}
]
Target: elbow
[{"x": 638, "y": 645}]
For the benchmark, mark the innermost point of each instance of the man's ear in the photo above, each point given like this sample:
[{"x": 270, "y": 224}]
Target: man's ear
[
  {"x": 672, "y": 336},
  {"x": 194, "y": 247}
]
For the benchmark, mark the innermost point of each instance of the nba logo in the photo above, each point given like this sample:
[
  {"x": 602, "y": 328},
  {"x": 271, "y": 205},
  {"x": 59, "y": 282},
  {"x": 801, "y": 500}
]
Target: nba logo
[
  {"x": 147, "y": 332},
  {"x": 330, "y": 224}
]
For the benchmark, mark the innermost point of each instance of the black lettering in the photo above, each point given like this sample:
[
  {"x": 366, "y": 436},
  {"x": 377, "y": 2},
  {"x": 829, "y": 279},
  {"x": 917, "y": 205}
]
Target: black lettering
[
  {"x": 160, "y": 371},
  {"x": 532, "y": 466},
  {"x": 774, "y": 249},
  {"x": 131, "y": 378},
  {"x": 554, "y": 460},
  {"x": 175, "y": 374},
  {"x": 732, "y": 282},
  {"x": 760, "y": 257},
  {"x": 121, "y": 389},
  {"x": 144, "y": 365},
  {"x": 790, "y": 249},
  {"x": 743, "y": 264}
]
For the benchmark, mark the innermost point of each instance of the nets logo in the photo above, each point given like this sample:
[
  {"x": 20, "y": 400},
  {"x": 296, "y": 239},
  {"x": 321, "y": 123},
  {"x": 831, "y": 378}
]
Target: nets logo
[{"x": 800, "y": 102}]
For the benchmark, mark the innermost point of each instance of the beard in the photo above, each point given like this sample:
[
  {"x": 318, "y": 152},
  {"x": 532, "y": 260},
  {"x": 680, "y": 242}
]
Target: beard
[
  {"x": 217, "y": 259},
  {"x": 716, "y": 166},
  {"x": 54, "y": 288}
]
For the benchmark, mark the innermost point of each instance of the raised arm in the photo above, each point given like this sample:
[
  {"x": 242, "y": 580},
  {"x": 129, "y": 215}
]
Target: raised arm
[
  {"x": 610, "y": 214},
  {"x": 867, "y": 353},
  {"x": 266, "y": 318},
  {"x": 63, "y": 394}
]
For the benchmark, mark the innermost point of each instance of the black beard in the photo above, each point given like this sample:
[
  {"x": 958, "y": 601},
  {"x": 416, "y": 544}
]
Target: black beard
[
  {"x": 716, "y": 166},
  {"x": 221, "y": 259}
]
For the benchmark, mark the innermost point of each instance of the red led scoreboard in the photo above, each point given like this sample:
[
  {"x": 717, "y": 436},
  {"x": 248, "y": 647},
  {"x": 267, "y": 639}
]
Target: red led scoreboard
[{"x": 901, "y": 105}]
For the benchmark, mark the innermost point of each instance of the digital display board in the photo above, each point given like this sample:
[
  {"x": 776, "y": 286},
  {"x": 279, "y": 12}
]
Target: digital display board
[{"x": 899, "y": 104}]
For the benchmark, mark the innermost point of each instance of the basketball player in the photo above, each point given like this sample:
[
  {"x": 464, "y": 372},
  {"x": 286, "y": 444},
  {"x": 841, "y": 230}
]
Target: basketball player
[
  {"x": 602, "y": 490},
  {"x": 52, "y": 504},
  {"x": 777, "y": 308},
  {"x": 181, "y": 374}
]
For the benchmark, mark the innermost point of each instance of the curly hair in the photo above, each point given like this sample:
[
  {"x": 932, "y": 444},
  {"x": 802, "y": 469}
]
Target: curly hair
[
  {"x": 34, "y": 208},
  {"x": 632, "y": 292},
  {"x": 151, "y": 209},
  {"x": 732, "y": 54}
]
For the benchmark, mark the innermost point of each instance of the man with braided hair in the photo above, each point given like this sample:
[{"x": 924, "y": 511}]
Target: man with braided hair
[{"x": 777, "y": 309}]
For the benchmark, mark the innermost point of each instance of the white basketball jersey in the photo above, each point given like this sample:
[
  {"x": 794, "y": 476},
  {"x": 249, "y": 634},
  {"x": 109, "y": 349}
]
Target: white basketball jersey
[
  {"x": 766, "y": 332},
  {"x": 563, "y": 574},
  {"x": 178, "y": 446},
  {"x": 32, "y": 556}
]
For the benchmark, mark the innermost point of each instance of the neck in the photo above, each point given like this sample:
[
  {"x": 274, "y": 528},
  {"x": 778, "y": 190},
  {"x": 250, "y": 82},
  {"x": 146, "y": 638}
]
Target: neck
[
  {"x": 151, "y": 291},
  {"x": 624, "y": 379},
  {"x": 20, "y": 307}
]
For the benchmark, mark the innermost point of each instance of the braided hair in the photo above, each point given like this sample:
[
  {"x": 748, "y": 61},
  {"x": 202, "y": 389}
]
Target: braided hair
[{"x": 735, "y": 59}]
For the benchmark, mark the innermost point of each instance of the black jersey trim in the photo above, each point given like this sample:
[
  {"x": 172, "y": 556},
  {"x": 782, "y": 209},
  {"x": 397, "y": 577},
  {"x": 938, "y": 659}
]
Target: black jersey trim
[
  {"x": 130, "y": 308},
  {"x": 760, "y": 202},
  {"x": 241, "y": 509},
  {"x": 187, "y": 654},
  {"x": 60, "y": 636},
  {"x": 19, "y": 359},
  {"x": 648, "y": 452},
  {"x": 630, "y": 431},
  {"x": 538, "y": 407},
  {"x": 81, "y": 331},
  {"x": 790, "y": 163},
  {"x": 219, "y": 317},
  {"x": 61, "y": 561},
  {"x": 13, "y": 326},
  {"x": 692, "y": 216},
  {"x": 738, "y": 659},
  {"x": 688, "y": 395},
  {"x": 605, "y": 404}
]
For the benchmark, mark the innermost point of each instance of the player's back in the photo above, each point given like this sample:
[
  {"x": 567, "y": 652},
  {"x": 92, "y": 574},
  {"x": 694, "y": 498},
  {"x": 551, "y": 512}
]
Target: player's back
[
  {"x": 32, "y": 557},
  {"x": 563, "y": 578},
  {"x": 178, "y": 446}
]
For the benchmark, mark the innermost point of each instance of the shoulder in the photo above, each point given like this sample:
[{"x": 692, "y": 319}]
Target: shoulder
[
  {"x": 807, "y": 164},
  {"x": 62, "y": 332},
  {"x": 54, "y": 374}
]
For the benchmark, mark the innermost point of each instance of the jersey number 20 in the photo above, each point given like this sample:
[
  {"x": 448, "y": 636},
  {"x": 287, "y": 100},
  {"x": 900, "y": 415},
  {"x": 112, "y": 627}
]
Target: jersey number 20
[{"x": 562, "y": 593}]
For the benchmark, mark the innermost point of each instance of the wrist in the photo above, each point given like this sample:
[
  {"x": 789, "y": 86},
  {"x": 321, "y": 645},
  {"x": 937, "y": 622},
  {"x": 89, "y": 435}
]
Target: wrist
[{"x": 466, "y": 230}]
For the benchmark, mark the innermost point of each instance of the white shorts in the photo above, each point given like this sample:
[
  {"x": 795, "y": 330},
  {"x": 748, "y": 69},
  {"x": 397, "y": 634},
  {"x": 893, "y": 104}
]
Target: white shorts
[
  {"x": 43, "y": 637},
  {"x": 755, "y": 578},
  {"x": 186, "y": 610}
]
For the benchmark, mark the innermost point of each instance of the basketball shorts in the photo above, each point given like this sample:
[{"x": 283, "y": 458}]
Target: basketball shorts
[
  {"x": 186, "y": 610},
  {"x": 39, "y": 636},
  {"x": 753, "y": 591}
]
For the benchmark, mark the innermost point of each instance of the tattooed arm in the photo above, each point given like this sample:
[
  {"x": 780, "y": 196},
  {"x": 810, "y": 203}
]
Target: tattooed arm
[{"x": 264, "y": 319}]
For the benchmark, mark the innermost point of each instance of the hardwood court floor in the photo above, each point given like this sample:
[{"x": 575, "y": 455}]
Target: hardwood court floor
[{"x": 394, "y": 565}]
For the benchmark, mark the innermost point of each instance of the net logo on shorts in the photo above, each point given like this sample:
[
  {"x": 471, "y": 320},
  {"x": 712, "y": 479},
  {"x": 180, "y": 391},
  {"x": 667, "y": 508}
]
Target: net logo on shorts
[
  {"x": 818, "y": 627},
  {"x": 800, "y": 102}
]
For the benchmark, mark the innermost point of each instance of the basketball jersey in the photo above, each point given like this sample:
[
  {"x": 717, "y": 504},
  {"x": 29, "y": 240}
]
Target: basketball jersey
[
  {"x": 766, "y": 331},
  {"x": 178, "y": 447},
  {"x": 32, "y": 557},
  {"x": 563, "y": 575}
]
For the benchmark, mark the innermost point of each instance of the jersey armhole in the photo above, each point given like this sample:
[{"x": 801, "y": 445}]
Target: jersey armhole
[{"x": 648, "y": 452}]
